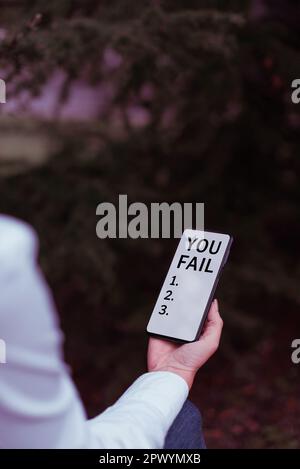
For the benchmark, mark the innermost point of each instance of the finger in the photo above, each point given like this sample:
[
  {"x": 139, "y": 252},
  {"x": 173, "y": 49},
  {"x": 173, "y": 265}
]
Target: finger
[
  {"x": 209, "y": 341},
  {"x": 214, "y": 325},
  {"x": 214, "y": 314},
  {"x": 161, "y": 344},
  {"x": 157, "y": 347}
]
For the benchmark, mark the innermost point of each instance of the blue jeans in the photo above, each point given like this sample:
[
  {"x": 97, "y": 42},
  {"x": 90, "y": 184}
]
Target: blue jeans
[{"x": 186, "y": 430}]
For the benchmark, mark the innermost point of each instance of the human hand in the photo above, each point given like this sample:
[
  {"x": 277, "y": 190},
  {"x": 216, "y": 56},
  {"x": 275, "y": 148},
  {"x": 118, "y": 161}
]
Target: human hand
[{"x": 185, "y": 360}]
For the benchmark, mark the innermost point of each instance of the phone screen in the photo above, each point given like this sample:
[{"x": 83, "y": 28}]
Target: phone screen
[{"x": 184, "y": 300}]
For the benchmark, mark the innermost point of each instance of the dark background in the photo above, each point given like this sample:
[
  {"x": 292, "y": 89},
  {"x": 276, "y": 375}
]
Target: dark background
[{"x": 194, "y": 106}]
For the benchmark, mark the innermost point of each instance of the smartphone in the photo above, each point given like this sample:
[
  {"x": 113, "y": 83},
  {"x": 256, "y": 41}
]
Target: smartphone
[{"x": 188, "y": 290}]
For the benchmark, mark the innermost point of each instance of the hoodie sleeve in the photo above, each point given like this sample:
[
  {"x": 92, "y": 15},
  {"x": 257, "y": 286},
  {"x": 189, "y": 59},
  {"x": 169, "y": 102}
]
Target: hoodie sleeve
[{"x": 39, "y": 405}]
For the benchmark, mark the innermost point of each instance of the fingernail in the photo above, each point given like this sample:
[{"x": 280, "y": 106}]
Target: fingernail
[{"x": 216, "y": 303}]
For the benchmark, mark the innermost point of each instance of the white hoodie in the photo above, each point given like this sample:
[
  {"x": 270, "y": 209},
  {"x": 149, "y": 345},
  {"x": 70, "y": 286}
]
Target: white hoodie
[{"x": 39, "y": 405}]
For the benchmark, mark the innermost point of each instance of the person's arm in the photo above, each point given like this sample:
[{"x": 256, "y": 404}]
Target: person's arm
[
  {"x": 143, "y": 415},
  {"x": 39, "y": 405}
]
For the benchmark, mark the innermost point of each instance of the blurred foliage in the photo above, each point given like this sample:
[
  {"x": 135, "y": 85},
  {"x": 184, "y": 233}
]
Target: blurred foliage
[{"x": 215, "y": 84}]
